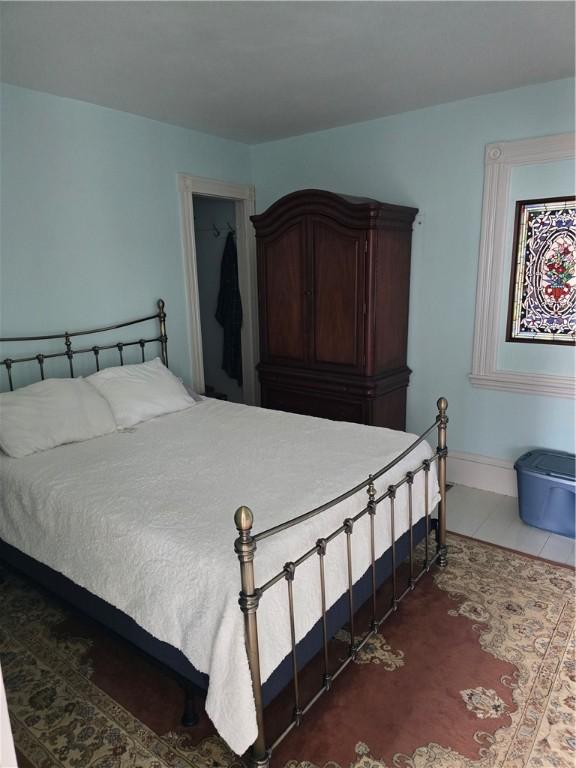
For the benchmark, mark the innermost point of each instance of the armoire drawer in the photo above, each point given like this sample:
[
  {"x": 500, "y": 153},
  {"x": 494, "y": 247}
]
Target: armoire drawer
[{"x": 313, "y": 404}]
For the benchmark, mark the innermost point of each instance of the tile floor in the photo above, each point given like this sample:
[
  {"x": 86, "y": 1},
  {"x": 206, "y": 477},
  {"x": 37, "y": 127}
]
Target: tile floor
[{"x": 494, "y": 518}]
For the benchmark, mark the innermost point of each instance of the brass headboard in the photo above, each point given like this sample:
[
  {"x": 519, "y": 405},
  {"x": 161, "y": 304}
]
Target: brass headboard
[{"x": 69, "y": 351}]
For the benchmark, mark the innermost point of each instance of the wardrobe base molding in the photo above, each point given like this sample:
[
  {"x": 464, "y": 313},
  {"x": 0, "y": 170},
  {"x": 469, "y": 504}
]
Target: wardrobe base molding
[{"x": 377, "y": 401}]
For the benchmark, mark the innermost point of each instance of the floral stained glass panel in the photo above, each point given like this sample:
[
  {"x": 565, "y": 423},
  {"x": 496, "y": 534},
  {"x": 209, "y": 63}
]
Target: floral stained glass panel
[{"x": 543, "y": 285}]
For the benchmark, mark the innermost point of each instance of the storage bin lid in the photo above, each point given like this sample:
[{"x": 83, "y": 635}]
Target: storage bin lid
[{"x": 551, "y": 463}]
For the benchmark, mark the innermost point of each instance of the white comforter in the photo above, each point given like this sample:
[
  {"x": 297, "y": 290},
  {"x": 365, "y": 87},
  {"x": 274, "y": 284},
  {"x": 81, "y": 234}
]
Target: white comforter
[{"x": 144, "y": 520}]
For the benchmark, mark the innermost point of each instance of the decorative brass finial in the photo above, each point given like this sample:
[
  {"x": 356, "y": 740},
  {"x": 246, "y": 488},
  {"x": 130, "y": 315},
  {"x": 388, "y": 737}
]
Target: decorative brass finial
[
  {"x": 371, "y": 490},
  {"x": 442, "y": 404},
  {"x": 160, "y": 304},
  {"x": 244, "y": 519}
]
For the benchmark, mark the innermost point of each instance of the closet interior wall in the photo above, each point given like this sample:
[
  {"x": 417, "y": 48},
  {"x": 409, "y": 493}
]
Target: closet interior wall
[{"x": 212, "y": 220}]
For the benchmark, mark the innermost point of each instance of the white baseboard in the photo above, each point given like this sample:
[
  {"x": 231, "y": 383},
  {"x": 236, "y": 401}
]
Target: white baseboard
[{"x": 482, "y": 472}]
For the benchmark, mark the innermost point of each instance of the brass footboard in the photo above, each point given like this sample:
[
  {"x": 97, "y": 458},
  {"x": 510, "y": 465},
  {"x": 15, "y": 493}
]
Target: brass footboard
[{"x": 245, "y": 547}]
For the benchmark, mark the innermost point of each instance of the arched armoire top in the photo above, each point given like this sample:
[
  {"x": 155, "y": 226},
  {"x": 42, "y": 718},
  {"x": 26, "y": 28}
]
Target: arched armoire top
[{"x": 355, "y": 212}]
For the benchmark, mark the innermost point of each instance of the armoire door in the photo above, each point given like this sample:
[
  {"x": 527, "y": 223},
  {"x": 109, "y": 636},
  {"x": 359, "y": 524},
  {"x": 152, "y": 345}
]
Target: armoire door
[
  {"x": 337, "y": 277},
  {"x": 283, "y": 298}
]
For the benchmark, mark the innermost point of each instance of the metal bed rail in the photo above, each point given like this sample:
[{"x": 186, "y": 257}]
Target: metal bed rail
[
  {"x": 70, "y": 352},
  {"x": 250, "y": 595}
]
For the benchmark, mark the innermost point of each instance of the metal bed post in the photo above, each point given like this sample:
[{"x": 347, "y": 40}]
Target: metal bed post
[
  {"x": 442, "y": 421},
  {"x": 163, "y": 338},
  {"x": 245, "y": 547}
]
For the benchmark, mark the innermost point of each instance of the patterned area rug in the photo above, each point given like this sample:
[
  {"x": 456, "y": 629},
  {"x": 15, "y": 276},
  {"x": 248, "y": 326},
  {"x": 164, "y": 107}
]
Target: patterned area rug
[{"x": 476, "y": 670}]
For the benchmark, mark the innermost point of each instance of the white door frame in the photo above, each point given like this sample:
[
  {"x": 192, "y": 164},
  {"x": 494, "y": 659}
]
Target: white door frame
[{"x": 243, "y": 197}]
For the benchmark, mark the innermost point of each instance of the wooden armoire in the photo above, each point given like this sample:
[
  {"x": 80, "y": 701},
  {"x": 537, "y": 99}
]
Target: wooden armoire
[{"x": 333, "y": 285}]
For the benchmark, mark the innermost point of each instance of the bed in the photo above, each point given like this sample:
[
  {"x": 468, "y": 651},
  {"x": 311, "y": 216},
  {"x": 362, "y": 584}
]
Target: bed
[{"x": 135, "y": 528}]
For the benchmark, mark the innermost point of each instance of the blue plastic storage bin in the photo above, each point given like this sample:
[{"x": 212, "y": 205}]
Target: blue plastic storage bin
[{"x": 547, "y": 490}]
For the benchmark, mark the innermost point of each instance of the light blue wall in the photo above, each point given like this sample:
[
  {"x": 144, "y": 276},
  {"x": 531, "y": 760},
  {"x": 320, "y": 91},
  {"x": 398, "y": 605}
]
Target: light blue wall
[
  {"x": 434, "y": 159},
  {"x": 90, "y": 228}
]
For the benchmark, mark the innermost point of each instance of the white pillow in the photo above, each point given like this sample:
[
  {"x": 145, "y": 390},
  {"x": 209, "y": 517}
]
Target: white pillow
[
  {"x": 140, "y": 392},
  {"x": 50, "y": 413}
]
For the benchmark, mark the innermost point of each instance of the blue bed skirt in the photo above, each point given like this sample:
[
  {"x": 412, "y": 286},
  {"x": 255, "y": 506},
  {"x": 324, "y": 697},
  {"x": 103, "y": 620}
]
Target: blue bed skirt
[{"x": 171, "y": 657}]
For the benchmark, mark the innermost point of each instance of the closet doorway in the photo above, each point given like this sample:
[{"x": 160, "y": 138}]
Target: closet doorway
[{"x": 216, "y": 232}]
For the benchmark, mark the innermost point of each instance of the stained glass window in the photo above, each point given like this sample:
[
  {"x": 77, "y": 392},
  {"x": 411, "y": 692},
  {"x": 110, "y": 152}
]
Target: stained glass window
[{"x": 543, "y": 284}]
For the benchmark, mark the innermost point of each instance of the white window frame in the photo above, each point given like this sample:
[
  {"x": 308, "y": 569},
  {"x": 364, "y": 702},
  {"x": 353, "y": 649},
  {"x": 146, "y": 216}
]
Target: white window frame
[
  {"x": 243, "y": 196},
  {"x": 500, "y": 159}
]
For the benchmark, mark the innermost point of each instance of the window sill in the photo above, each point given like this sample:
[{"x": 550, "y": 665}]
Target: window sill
[{"x": 529, "y": 383}]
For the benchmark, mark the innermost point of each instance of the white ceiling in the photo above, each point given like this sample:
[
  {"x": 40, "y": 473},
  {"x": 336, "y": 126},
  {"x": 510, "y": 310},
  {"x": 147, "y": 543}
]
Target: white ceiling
[{"x": 255, "y": 71}]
